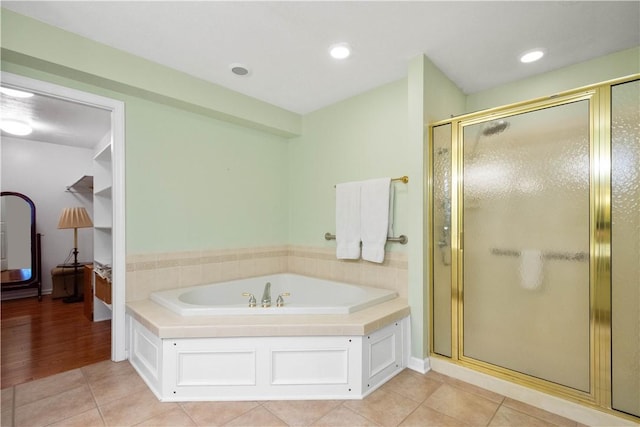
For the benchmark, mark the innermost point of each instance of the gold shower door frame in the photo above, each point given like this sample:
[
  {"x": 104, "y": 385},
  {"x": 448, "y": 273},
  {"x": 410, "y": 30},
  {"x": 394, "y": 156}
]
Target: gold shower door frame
[{"x": 599, "y": 98}]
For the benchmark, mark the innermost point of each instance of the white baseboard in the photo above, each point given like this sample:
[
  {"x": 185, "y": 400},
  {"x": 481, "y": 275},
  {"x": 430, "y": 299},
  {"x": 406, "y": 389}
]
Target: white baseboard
[
  {"x": 556, "y": 405},
  {"x": 419, "y": 365}
]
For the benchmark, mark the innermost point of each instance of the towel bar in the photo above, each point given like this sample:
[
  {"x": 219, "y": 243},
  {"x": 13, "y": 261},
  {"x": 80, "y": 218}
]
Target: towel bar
[
  {"x": 404, "y": 179},
  {"x": 402, "y": 239}
]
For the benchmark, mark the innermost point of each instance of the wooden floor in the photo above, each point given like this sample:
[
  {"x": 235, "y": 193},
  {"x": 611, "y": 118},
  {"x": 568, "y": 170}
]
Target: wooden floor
[{"x": 40, "y": 339}]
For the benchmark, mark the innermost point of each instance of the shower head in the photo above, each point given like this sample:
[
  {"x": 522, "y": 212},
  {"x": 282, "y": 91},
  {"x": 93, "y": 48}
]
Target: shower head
[{"x": 495, "y": 127}]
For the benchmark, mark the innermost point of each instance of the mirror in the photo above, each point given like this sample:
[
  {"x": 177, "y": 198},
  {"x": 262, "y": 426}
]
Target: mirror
[{"x": 20, "y": 246}]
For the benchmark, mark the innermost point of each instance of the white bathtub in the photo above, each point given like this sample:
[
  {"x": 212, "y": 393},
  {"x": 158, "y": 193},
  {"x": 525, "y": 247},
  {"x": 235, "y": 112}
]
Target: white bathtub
[
  {"x": 307, "y": 296},
  {"x": 193, "y": 353}
]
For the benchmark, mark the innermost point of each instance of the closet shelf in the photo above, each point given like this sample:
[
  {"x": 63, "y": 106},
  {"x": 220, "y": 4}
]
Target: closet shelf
[
  {"x": 103, "y": 192},
  {"x": 104, "y": 155},
  {"x": 83, "y": 185}
]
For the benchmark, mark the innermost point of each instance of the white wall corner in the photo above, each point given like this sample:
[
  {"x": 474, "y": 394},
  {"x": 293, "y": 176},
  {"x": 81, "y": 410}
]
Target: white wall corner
[
  {"x": 419, "y": 365},
  {"x": 416, "y": 197}
]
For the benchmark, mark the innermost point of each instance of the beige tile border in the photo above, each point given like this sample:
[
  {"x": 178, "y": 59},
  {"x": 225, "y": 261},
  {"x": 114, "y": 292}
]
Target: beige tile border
[{"x": 147, "y": 273}]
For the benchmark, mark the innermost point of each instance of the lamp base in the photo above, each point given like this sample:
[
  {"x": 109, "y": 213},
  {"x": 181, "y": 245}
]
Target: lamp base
[{"x": 73, "y": 298}]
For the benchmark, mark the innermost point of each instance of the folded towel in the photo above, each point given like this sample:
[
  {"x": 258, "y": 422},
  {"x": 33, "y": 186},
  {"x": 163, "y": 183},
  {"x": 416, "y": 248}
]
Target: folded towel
[
  {"x": 530, "y": 269},
  {"x": 348, "y": 220},
  {"x": 374, "y": 218}
]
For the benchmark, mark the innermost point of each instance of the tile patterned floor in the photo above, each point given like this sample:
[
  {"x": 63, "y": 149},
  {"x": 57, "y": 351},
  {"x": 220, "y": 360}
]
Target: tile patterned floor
[{"x": 112, "y": 394}]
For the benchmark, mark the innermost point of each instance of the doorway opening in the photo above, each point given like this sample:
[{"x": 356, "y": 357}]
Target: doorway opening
[{"x": 108, "y": 198}]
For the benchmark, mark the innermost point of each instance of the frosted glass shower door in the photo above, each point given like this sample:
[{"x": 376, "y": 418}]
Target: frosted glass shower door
[
  {"x": 525, "y": 243},
  {"x": 625, "y": 247}
]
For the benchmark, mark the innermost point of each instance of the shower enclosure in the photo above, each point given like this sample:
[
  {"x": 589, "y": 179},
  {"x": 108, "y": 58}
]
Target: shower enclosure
[{"x": 535, "y": 244}]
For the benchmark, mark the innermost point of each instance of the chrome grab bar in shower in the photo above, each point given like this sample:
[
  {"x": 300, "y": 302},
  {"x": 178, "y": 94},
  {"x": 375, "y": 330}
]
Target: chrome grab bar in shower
[{"x": 564, "y": 256}]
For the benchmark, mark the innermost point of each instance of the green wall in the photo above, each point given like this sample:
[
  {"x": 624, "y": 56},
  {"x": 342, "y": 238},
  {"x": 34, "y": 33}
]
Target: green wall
[
  {"x": 194, "y": 182},
  {"x": 360, "y": 138}
]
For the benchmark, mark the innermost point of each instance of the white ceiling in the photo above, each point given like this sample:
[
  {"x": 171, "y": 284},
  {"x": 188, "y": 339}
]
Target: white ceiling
[
  {"x": 56, "y": 120},
  {"x": 285, "y": 44}
]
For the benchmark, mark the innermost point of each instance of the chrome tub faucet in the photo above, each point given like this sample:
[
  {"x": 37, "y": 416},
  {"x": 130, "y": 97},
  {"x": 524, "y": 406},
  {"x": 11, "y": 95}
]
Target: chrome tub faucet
[{"x": 266, "y": 295}]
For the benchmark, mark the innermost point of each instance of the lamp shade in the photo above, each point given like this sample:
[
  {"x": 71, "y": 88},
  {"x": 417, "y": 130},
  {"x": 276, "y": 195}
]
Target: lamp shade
[{"x": 74, "y": 218}]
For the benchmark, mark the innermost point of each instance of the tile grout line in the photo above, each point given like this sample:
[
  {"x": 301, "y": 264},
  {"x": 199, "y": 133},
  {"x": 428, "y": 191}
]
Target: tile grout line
[
  {"x": 420, "y": 403},
  {"x": 271, "y": 412},
  {"x": 364, "y": 416},
  {"x": 156, "y": 415},
  {"x": 244, "y": 413},
  {"x": 187, "y": 413},
  {"x": 410, "y": 413},
  {"x": 536, "y": 417},
  {"x": 473, "y": 393},
  {"x": 93, "y": 396},
  {"x": 495, "y": 412}
]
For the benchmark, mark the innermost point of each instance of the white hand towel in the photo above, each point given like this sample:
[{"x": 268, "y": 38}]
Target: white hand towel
[
  {"x": 530, "y": 269},
  {"x": 374, "y": 218},
  {"x": 392, "y": 202},
  {"x": 348, "y": 220}
]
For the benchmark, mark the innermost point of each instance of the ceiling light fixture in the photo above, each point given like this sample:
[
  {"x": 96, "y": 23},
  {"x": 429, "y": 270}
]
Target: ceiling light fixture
[
  {"x": 531, "y": 56},
  {"x": 340, "y": 51},
  {"x": 239, "y": 70},
  {"x": 15, "y": 127},
  {"x": 15, "y": 93}
]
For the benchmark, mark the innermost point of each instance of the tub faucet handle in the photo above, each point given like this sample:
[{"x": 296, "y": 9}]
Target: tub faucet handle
[
  {"x": 252, "y": 299},
  {"x": 280, "y": 300}
]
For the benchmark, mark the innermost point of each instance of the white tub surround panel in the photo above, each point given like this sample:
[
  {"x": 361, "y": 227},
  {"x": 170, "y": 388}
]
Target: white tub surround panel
[{"x": 267, "y": 357}]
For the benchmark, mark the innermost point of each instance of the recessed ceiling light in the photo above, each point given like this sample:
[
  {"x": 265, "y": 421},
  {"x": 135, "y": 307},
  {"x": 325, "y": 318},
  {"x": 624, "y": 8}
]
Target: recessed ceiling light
[
  {"x": 15, "y": 127},
  {"x": 531, "y": 56},
  {"x": 340, "y": 51},
  {"x": 239, "y": 70},
  {"x": 15, "y": 92}
]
